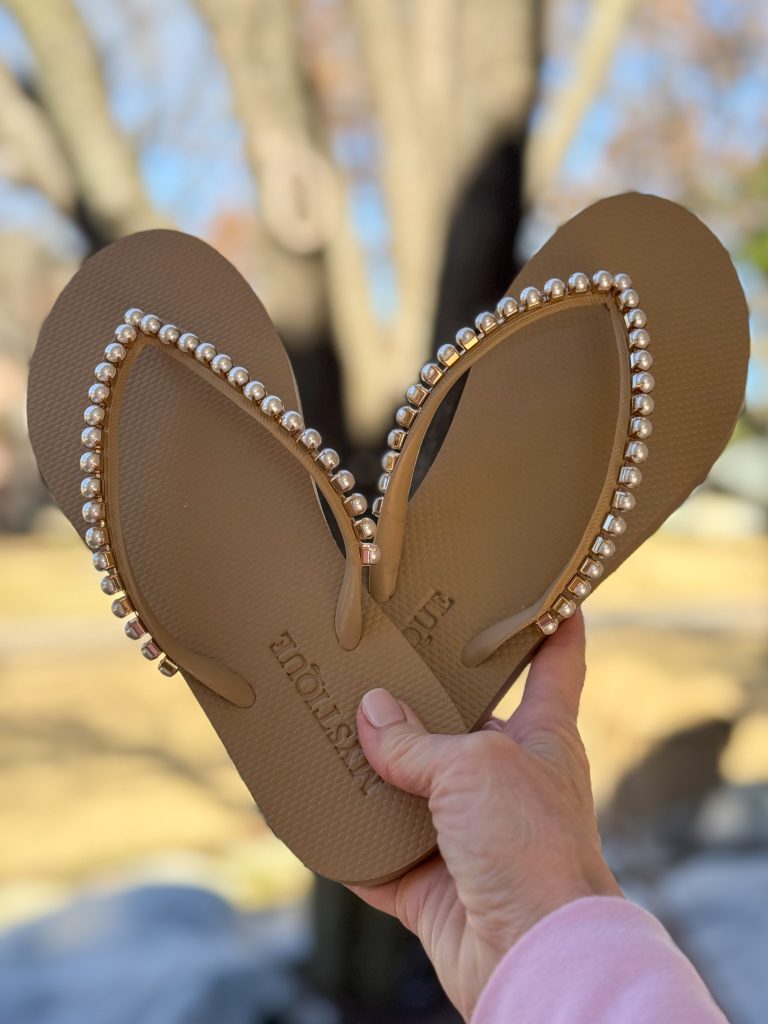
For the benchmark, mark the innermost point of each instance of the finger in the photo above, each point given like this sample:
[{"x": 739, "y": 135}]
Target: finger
[
  {"x": 556, "y": 677},
  {"x": 495, "y": 724},
  {"x": 380, "y": 897},
  {"x": 397, "y": 744}
]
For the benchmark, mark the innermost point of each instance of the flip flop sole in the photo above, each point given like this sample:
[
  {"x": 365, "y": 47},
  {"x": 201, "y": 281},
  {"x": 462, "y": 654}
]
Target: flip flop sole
[
  {"x": 530, "y": 449},
  {"x": 224, "y": 551}
]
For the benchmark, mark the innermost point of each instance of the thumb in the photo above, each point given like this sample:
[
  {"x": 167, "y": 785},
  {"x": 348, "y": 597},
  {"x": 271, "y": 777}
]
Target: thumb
[
  {"x": 556, "y": 678},
  {"x": 398, "y": 746}
]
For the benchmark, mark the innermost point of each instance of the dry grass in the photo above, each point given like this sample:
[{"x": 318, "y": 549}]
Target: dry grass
[{"x": 110, "y": 770}]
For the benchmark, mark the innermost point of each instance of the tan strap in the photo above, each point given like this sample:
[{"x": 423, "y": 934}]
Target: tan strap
[{"x": 634, "y": 403}]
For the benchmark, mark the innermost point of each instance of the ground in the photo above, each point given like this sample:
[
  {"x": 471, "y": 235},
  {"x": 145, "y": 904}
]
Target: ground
[{"x": 111, "y": 773}]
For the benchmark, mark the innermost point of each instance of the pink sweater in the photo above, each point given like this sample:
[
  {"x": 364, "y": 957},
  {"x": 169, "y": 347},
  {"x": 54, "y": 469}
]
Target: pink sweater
[{"x": 598, "y": 960}]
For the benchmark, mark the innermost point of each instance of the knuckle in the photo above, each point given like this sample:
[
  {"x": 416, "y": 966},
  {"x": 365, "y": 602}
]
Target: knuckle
[{"x": 482, "y": 750}]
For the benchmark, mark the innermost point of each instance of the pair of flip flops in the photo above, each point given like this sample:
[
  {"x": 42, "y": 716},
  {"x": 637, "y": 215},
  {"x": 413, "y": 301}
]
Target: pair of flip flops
[{"x": 596, "y": 398}]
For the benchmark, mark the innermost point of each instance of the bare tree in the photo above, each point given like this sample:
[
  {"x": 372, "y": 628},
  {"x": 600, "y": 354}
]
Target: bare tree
[
  {"x": 437, "y": 87},
  {"x": 100, "y": 160}
]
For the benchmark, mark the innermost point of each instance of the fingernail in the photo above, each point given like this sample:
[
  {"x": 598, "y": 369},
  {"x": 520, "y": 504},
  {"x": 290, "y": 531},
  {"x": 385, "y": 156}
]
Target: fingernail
[{"x": 381, "y": 708}]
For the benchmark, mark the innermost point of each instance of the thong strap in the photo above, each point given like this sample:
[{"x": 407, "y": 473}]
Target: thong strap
[{"x": 633, "y": 427}]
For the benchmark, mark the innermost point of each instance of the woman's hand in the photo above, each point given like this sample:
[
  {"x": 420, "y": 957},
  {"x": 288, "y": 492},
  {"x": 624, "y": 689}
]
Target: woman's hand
[{"x": 512, "y": 807}]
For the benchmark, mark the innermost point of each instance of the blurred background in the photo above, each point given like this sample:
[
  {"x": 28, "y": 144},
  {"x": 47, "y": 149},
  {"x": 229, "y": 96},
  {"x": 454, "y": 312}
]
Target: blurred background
[{"x": 378, "y": 170}]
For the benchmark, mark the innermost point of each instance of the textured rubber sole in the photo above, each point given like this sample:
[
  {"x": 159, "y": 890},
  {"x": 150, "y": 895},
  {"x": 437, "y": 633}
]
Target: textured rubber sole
[
  {"x": 515, "y": 484},
  {"x": 225, "y": 552},
  {"x": 229, "y": 560}
]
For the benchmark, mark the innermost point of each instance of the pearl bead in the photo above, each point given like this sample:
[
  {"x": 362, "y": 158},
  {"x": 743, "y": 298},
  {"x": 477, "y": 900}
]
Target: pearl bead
[
  {"x": 370, "y": 554},
  {"x": 388, "y": 461},
  {"x": 111, "y": 585},
  {"x": 343, "y": 481},
  {"x": 151, "y": 650},
  {"x": 565, "y": 607},
  {"x": 221, "y": 364},
  {"x": 187, "y": 342},
  {"x": 507, "y": 307},
  {"x": 614, "y": 525},
  {"x": 365, "y": 529},
  {"x": 94, "y": 415},
  {"x": 554, "y": 289},
  {"x": 114, "y": 353},
  {"x": 105, "y": 372},
  {"x": 150, "y": 324},
  {"x": 254, "y": 391},
  {"x": 630, "y": 476},
  {"x": 485, "y": 323},
  {"x": 356, "y": 504},
  {"x": 205, "y": 352},
  {"x": 624, "y": 500},
  {"x": 547, "y": 624},
  {"x": 628, "y": 299},
  {"x": 591, "y": 568},
  {"x": 328, "y": 458},
  {"x": 169, "y": 334},
  {"x": 431, "y": 373},
  {"x": 448, "y": 354},
  {"x": 90, "y": 487},
  {"x": 91, "y": 437},
  {"x": 621, "y": 282},
  {"x": 292, "y": 422},
  {"x": 96, "y": 537},
  {"x": 405, "y": 416},
  {"x": 90, "y": 462},
  {"x": 383, "y": 482},
  {"x": 578, "y": 283},
  {"x": 603, "y": 547},
  {"x": 640, "y": 427},
  {"x": 639, "y": 338},
  {"x": 396, "y": 438},
  {"x": 530, "y": 298},
  {"x": 641, "y": 360},
  {"x": 636, "y": 318},
  {"x": 643, "y": 382},
  {"x": 377, "y": 504},
  {"x": 135, "y": 629},
  {"x": 98, "y": 393},
  {"x": 636, "y": 451},
  {"x": 580, "y": 588},
  {"x": 272, "y": 405},
  {"x": 238, "y": 376},
  {"x": 93, "y": 511},
  {"x": 311, "y": 439},
  {"x": 122, "y": 607},
  {"x": 103, "y": 560},
  {"x": 466, "y": 339},
  {"x": 643, "y": 405},
  {"x": 125, "y": 333},
  {"x": 416, "y": 394},
  {"x": 602, "y": 281},
  {"x": 133, "y": 316}
]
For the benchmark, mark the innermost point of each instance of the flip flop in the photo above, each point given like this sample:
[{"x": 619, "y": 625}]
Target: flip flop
[
  {"x": 594, "y": 402},
  {"x": 198, "y": 491}
]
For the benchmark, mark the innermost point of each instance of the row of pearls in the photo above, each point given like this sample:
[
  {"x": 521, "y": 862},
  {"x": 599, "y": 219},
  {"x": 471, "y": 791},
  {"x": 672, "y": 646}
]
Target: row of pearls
[
  {"x": 531, "y": 301},
  {"x": 94, "y": 509},
  {"x": 639, "y": 429}
]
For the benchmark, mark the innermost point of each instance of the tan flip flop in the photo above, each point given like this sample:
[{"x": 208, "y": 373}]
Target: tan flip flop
[
  {"x": 204, "y": 485},
  {"x": 597, "y": 400},
  {"x": 197, "y": 489}
]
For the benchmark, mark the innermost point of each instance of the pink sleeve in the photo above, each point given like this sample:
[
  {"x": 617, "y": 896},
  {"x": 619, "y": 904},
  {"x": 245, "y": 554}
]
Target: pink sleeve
[{"x": 597, "y": 960}]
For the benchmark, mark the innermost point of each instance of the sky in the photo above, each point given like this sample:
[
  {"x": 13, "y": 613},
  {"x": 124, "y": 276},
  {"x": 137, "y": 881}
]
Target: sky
[{"x": 178, "y": 111}]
